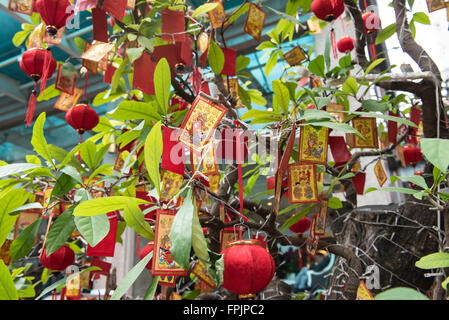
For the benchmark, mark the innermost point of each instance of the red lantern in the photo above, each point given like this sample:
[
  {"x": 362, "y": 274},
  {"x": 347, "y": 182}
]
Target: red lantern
[
  {"x": 145, "y": 251},
  {"x": 412, "y": 154},
  {"x": 301, "y": 226},
  {"x": 345, "y": 44},
  {"x": 54, "y": 13},
  {"x": 38, "y": 64},
  {"x": 328, "y": 10},
  {"x": 58, "y": 260},
  {"x": 248, "y": 268},
  {"x": 371, "y": 22},
  {"x": 82, "y": 118}
]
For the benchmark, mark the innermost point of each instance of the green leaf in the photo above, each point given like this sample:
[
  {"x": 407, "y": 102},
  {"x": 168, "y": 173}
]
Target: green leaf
[
  {"x": 350, "y": 86},
  {"x": 181, "y": 232},
  {"x": 88, "y": 151},
  {"x": 237, "y": 14},
  {"x": 153, "y": 154},
  {"x": 98, "y": 206},
  {"x": 374, "y": 105},
  {"x": 38, "y": 140},
  {"x": 162, "y": 83},
  {"x": 241, "y": 63},
  {"x": 63, "y": 281},
  {"x": 317, "y": 67},
  {"x": 24, "y": 242},
  {"x": 149, "y": 294},
  {"x": 421, "y": 17},
  {"x": 16, "y": 168},
  {"x": 60, "y": 231},
  {"x": 281, "y": 95},
  {"x": 436, "y": 152},
  {"x": 204, "y": 8},
  {"x": 250, "y": 114},
  {"x": 373, "y": 64},
  {"x": 435, "y": 260},
  {"x": 131, "y": 277},
  {"x": 296, "y": 217},
  {"x": 418, "y": 180},
  {"x": 399, "y": 189},
  {"x": 7, "y": 289},
  {"x": 93, "y": 228},
  {"x": 49, "y": 93},
  {"x": 256, "y": 97},
  {"x": 135, "y": 110},
  {"x": 72, "y": 172},
  {"x": 199, "y": 242},
  {"x": 216, "y": 57},
  {"x": 335, "y": 203},
  {"x": 134, "y": 218},
  {"x": 63, "y": 185},
  {"x": 400, "y": 293},
  {"x": 20, "y": 37},
  {"x": 266, "y": 45},
  {"x": 134, "y": 53},
  {"x": 334, "y": 125},
  {"x": 385, "y": 33},
  {"x": 9, "y": 201},
  {"x": 271, "y": 63}
]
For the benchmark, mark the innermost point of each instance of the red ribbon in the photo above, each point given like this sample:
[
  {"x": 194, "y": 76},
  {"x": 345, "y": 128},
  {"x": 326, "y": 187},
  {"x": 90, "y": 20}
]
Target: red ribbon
[
  {"x": 31, "y": 107},
  {"x": 239, "y": 167},
  {"x": 334, "y": 44}
]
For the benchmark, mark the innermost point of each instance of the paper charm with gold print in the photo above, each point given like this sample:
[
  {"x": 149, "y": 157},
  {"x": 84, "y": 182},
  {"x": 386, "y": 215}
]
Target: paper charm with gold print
[
  {"x": 217, "y": 16},
  {"x": 312, "y": 240},
  {"x": 163, "y": 261},
  {"x": 200, "y": 123},
  {"x": 321, "y": 217},
  {"x": 232, "y": 86},
  {"x": 255, "y": 20},
  {"x": 313, "y": 144},
  {"x": 206, "y": 163},
  {"x": 66, "y": 101},
  {"x": 171, "y": 184},
  {"x": 167, "y": 280},
  {"x": 302, "y": 183},
  {"x": 368, "y": 129},
  {"x": 380, "y": 173},
  {"x": 363, "y": 292},
  {"x": 295, "y": 56},
  {"x": 200, "y": 271}
]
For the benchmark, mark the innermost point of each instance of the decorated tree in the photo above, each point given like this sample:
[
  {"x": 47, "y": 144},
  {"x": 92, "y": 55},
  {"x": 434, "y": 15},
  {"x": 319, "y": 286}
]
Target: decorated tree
[{"x": 180, "y": 91}]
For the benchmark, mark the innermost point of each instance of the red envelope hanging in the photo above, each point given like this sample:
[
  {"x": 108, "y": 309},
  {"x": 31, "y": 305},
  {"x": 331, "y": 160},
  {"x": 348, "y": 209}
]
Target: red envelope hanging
[
  {"x": 227, "y": 149},
  {"x": 205, "y": 88},
  {"x": 230, "y": 56},
  {"x": 392, "y": 127},
  {"x": 106, "y": 247},
  {"x": 115, "y": 8},
  {"x": 173, "y": 157},
  {"x": 339, "y": 150},
  {"x": 100, "y": 25},
  {"x": 143, "y": 74},
  {"x": 184, "y": 52},
  {"x": 173, "y": 26},
  {"x": 359, "y": 182},
  {"x": 109, "y": 73},
  {"x": 168, "y": 52},
  {"x": 103, "y": 265}
]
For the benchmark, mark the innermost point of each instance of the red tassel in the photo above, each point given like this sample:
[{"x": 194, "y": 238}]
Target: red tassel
[
  {"x": 334, "y": 44},
  {"x": 46, "y": 69},
  {"x": 372, "y": 48},
  {"x": 31, "y": 106}
]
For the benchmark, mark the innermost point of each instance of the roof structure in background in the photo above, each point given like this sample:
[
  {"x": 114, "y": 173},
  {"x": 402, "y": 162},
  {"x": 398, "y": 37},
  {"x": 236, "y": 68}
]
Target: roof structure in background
[{"x": 15, "y": 85}]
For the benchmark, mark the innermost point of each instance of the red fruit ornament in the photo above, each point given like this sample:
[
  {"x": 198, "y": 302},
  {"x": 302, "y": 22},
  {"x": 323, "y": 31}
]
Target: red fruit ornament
[
  {"x": 412, "y": 154},
  {"x": 371, "y": 22},
  {"x": 345, "y": 44},
  {"x": 58, "y": 260},
  {"x": 38, "y": 64},
  {"x": 301, "y": 226},
  {"x": 54, "y": 13},
  {"x": 248, "y": 268},
  {"x": 145, "y": 251},
  {"x": 82, "y": 118}
]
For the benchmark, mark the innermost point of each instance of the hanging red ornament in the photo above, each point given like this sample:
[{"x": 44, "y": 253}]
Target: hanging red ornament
[
  {"x": 371, "y": 21},
  {"x": 345, "y": 44},
  {"x": 146, "y": 250},
  {"x": 301, "y": 226},
  {"x": 58, "y": 260},
  {"x": 328, "y": 10},
  {"x": 248, "y": 268},
  {"x": 412, "y": 154},
  {"x": 82, "y": 118},
  {"x": 38, "y": 64},
  {"x": 417, "y": 173},
  {"x": 54, "y": 13}
]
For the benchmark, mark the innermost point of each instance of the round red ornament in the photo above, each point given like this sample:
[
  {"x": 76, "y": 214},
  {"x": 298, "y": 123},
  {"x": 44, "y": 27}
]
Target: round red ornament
[
  {"x": 145, "y": 251},
  {"x": 371, "y": 21},
  {"x": 38, "y": 64},
  {"x": 328, "y": 10},
  {"x": 412, "y": 154},
  {"x": 82, "y": 118},
  {"x": 58, "y": 260},
  {"x": 54, "y": 13},
  {"x": 248, "y": 267},
  {"x": 345, "y": 44},
  {"x": 301, "y": 226}
]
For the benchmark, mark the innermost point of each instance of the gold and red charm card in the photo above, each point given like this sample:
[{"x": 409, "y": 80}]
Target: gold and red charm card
[
  {"x": 21, "y": 6},
  {"x": 313, "y": 144},
  {"x": 312, "y": 240},
  {"x": 336, "y": 109},
  {"x": 163, "y": 261},
  {"x": 200, "y": 270},
  {"x": 200, "y": 123},
  {"x": 232, "y": 86},
  {"x": 302, "y": 183},
  {"x": 167, "y": 280},
  {"x": 363, "y": 292},
  {"x": 206, "y": 163},
  {"x": 171, "y": 184},
  {"x": 434, "y": 5},
  {"x": 321, "y": 217},
  {"x": 66, "y": 78},
  {"x": 217, "y": 16},
  {"x": 66, "y": 101},
  {"x": 368, "y": 129},
  {"x": 255, "y": 20},
  {"x": 380, "y": 173},
  {"x": 295, "y": 56}
]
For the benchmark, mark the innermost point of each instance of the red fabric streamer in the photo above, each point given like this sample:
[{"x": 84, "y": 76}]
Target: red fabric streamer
[
  {"x": 100, "y": 25},
  {"x": 239, "y": 167},
  {"x": 31, "y": 106},
  {"x": 173, "y": 157},
  {"x": 392, "y": 129},
  {"x": 339, "y": 150},
  {"x": 230, "y": 56},
  {"x": 359, "y": 182},
  {"x": 372, "y": 47},
  {"x": 334, "y": 43},
  {"x": 106, "y": 247},
  {"x": 143, "y": 77}
]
